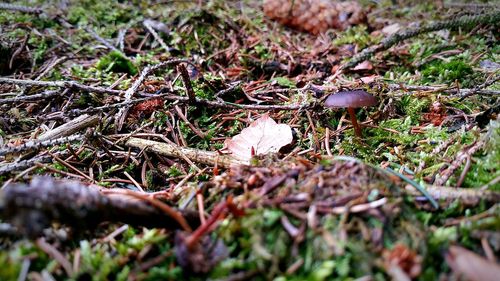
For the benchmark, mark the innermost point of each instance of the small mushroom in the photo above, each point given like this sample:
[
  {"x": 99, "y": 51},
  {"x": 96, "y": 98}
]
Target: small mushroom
[{"x": 351, "y": 100}]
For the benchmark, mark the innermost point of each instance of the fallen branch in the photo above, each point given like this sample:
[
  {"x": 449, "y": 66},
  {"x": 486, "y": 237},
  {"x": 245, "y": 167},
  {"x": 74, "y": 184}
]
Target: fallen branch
[
  {"x": 23, "y": 164},
  {"x": 19, "y": 8},
  {"x": 44, "y": 95},
  {"x": 37, "y": 144},
  {"x": 59, "y": 84},
  {"x": 33, "y": 208}
]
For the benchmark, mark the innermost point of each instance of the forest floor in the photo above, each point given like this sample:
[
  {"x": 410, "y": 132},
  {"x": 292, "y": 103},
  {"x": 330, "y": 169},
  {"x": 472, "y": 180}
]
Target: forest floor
[{"x": 115, "y": 126}]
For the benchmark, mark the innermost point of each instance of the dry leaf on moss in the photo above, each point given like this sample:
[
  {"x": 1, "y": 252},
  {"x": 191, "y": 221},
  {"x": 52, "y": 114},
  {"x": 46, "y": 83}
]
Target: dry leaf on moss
[
  {"x": 471, "y": 265},
  {"x": 264, "y": 135}
]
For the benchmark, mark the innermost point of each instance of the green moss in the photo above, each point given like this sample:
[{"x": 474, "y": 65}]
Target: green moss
[
  {"x": 116, "y": 62},
  {"x": 11, "y": 266},
  {"x": 262, "y": 52},
  {"x": 284, "y": 82},
  {"x": 97, "y": 261},
  {"x": 448, "y": 72},
  {"x": 101, "y": 12},
  {"x": 40, "y": 47},
  {"x": 485, "y": 166},
  {"x": 413, "y": 106},
  {"x": 173, "y": 171},
  {"x": 356, "y": 35},
  {"x": 148, "y": 237},
  {"x": 164, "y": 272}
]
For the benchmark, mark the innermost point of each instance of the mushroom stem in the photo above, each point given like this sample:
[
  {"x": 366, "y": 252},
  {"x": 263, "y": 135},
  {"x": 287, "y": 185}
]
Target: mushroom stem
[{"x": 357, "y": 129}]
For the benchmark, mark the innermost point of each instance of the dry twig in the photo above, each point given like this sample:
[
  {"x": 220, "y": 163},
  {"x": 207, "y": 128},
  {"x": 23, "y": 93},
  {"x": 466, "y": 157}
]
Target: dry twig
[
  {"x": 199, "y": 156},
  {"x": 73, "y": 126}
]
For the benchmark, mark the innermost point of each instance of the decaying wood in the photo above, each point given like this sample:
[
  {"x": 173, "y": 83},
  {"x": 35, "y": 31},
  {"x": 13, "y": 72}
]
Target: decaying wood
[
  {"x": 195, "y": 155},
  {"x": 33, "y": 208}
]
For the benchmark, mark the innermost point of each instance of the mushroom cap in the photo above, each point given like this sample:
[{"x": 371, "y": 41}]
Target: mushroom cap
[{"x": 354, "y": 99}]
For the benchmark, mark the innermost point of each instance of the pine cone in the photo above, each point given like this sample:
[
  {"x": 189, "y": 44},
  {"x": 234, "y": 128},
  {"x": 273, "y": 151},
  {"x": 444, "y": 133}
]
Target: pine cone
[{"x": 315, "y": 16}]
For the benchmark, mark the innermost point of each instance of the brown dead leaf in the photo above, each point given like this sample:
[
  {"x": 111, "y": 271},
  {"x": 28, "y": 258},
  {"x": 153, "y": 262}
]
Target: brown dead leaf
[
  {"x": 263, "y": 136},
  {"x": 366, "y": 65},
  {"x": 370, "y": 79},
  {"x": 471, "y": 266}
]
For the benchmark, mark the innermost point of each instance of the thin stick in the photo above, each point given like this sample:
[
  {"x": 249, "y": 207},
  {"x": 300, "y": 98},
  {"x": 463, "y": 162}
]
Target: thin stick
[
  {"x": 201, "y": 207},
  {"x": 149, "y": 26},
  {"x": 71, "y": 127},
  {"x": 104, "y": 41},
  {"x": 44, "y": 95},
  {"x": 459, "y": 159},
  {"x": 491, "y": 183},
  {"x": 19, "y": 8},
  {"x": 55, "y": 254},
  {"x": 466, "y": 194},
  {"x": 59, "y": 84},
  {"x": 187, "y": 83},
  {"x": 23, "y": 164},
  {"x": 193, "y": 128},
  {"x": 71, "y": 167},
  {"x": 461, "y": 93},
  {"x": 360, "y": 207},
  {"x": 160, "y": 205},
  {"x": 36, "y": 145},
  {"x": 75, "y": 112},
  {"x": 327, "y": 142},
  {"x": 200, "y": 156},
  {"x": 467, "y": 20},
  {"x": 134, "y": 181}
]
